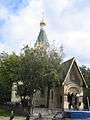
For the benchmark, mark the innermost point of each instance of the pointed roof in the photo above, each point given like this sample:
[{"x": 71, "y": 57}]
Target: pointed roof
[
  {"x": 66, "y": 65},
  {"x": 66, "y": 68},
  {"x": 42, "y": 37}
]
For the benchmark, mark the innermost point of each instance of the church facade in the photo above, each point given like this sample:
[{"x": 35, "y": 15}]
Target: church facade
[{"x": 72, "y": 79}]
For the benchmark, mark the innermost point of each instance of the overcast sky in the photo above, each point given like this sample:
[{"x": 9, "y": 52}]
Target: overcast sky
[{"x": 68, "y": 24}]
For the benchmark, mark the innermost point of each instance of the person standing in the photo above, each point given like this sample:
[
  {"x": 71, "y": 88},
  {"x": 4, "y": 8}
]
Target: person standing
[
  {"x": 70, "y": 96},
  {"x": 76, "y": 102}
]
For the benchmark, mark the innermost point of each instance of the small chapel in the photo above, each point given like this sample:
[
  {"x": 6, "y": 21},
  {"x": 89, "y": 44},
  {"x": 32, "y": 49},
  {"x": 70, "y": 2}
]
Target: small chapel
[{"x": 72, "y": 79}]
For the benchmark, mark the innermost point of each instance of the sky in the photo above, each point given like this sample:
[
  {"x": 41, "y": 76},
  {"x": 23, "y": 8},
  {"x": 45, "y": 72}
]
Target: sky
[{"x": 68, "y": 24}]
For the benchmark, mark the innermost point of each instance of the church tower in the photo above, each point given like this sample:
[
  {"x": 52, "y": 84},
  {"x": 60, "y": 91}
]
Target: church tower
[{"x": 42, "y": 40}]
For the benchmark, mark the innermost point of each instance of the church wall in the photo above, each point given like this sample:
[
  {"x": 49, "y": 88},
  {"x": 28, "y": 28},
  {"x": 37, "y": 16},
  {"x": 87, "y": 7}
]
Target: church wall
[
  {"x": 55, "y": 100},
  {"x": 65, "y": 102},
  {"x": 73, "y": 85},
  {"x": 40, "y": 100},
  {"x": 76, "y": 77}
]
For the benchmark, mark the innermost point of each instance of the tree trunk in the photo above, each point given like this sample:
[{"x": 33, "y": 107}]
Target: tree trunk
[
  {"x": 60, "y": 96},
  {"x": 48, "y": 96}
]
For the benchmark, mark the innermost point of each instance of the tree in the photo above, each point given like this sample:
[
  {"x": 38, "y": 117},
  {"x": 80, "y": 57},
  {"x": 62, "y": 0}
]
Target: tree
[
  {"x": 86, "y": 74},
  {"x": 39, "y": 70},
  {"x": 9, "y": 65}
]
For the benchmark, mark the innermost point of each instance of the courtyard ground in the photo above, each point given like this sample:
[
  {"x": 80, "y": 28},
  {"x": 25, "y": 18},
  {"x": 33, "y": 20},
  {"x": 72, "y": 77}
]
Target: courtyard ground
[
  {"x": 46, "y": 114},
  {"x": 7, "y": 118},
  {"x": 22, "y": 118}
]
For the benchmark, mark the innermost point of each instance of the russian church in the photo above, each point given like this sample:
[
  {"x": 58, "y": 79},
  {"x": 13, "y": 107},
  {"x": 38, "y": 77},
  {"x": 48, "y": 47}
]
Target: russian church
[{"x": 72, "y": 79}]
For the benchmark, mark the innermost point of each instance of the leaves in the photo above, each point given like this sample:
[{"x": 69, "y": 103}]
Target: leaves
[
  {"x": 35, "y": 68},
  {"x": 9, "y": 65},
  {"x": 86, "y": 74}
]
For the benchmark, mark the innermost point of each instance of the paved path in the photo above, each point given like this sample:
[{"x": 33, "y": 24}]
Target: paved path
[
  {"x": 7, "y": 118},
  {"x": 21, "y": 118}
]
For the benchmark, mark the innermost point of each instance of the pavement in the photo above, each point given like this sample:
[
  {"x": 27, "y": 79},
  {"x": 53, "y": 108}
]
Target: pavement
[
  {"x": 7, "y": 118},
  {"x": 23, "y": 118}
]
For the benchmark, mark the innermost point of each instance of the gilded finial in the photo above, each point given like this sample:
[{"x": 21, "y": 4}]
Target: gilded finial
[{"x": 42, "y": 23}]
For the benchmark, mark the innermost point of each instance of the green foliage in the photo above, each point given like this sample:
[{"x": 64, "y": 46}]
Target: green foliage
[
  {"x": 37, "y": 69},
  {"x": 8, "y": 74},
  {"x": 86, "y": 74}
]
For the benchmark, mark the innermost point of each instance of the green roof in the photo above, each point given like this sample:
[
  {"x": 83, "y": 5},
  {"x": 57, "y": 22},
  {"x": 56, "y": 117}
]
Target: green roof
[{"x": 42, "y": 38}]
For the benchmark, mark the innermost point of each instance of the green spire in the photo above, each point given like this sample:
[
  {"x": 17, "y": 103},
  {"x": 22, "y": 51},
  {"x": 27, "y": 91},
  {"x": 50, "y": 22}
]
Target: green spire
[{"x": 42, "y": 40}]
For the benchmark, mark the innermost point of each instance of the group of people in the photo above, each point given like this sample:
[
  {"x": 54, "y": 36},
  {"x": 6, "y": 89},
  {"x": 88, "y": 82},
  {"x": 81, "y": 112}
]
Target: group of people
[{"x": 73, "y": 101}]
